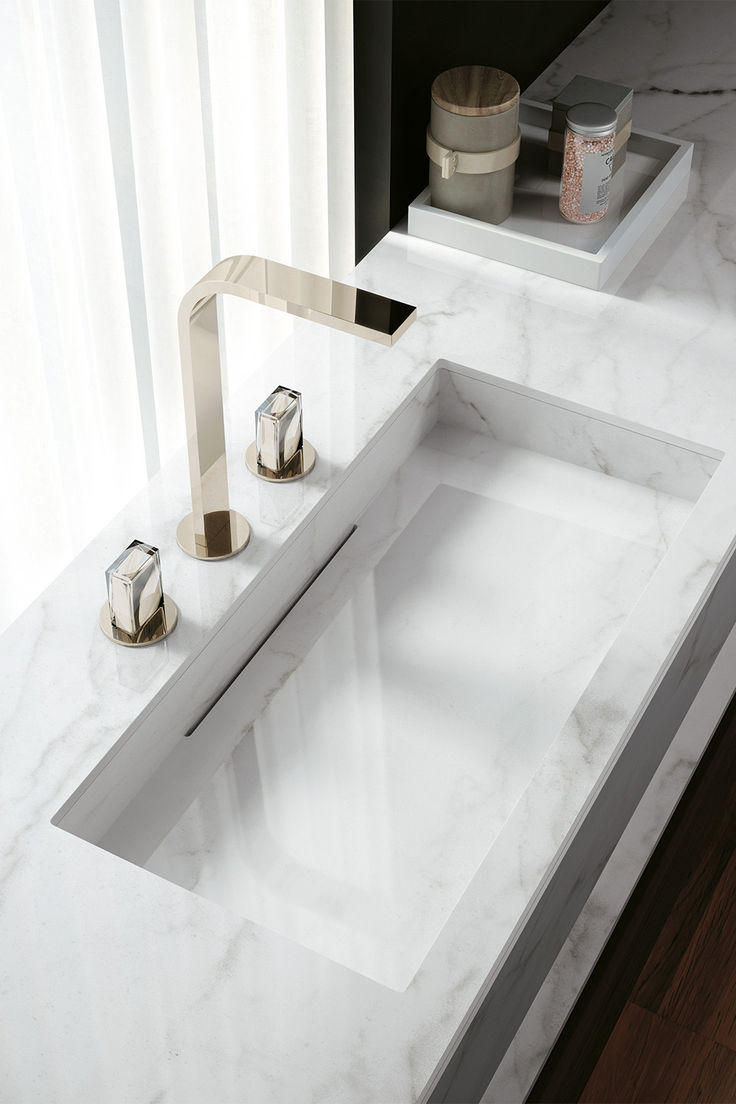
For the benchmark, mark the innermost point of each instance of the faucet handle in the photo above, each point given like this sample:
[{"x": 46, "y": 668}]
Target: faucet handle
[
  {"x": 279, "y": 428},
  {"x": 280, "y": 453},
  {"x": 137, "y": 611}
]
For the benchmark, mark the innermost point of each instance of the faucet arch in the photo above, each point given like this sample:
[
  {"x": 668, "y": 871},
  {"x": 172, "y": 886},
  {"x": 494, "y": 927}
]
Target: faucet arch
[{"x": 213, "y": 530}]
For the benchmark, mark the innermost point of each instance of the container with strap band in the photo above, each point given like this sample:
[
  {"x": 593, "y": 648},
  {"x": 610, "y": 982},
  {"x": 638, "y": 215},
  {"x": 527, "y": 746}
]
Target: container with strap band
[{"x": 452, "y": 161}]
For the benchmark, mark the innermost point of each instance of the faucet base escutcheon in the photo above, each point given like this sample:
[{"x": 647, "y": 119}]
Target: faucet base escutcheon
[
  {"x": 300, "y": 465},
  {"x": 158, "y": 627},
  {"x": 226, "y": 532}
]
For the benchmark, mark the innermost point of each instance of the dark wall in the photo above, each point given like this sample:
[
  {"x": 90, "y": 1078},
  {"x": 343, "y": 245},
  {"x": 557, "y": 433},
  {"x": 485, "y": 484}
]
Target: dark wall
[
  {"x": 400, "y": 47},
  {"x": 372, "y": 55}
]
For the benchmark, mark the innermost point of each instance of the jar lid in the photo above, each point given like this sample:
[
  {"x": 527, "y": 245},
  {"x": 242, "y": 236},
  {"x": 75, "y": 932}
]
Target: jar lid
[
  {"x": 475, "y": 90},
  {"x": 593, "y": 119}
]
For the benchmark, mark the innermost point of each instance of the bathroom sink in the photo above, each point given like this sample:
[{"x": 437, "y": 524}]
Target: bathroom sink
[{"x": 346, "y": 788}]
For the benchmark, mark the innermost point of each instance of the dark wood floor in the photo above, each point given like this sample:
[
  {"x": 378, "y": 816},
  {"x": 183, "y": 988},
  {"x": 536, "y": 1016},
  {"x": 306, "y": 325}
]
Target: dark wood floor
[{"x": 657, "y": 1020}]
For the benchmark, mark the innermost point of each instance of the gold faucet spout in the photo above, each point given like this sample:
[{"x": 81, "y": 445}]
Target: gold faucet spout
[{"x": 213, "y": 531}]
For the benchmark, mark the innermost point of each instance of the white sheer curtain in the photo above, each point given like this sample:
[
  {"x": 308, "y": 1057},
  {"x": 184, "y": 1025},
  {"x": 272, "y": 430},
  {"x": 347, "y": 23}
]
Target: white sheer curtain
[{"x": 140, "y": 141}]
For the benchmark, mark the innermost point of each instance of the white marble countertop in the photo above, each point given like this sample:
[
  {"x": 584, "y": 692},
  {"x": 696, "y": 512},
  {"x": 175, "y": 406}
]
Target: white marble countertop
[{"x": 118, "y": 986}]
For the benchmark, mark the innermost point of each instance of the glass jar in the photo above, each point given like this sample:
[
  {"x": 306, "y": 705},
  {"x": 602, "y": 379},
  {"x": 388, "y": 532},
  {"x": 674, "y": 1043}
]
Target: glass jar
[{"x": 587, "y": 168}]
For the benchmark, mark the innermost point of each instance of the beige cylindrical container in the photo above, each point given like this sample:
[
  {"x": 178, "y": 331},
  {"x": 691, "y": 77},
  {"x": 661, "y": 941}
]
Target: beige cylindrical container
[{"x": 473, "y": 142}]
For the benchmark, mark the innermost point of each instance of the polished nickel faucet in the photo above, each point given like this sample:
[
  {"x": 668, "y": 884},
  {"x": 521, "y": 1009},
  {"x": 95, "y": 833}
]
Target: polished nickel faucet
[{"x": 213, "y": 531}]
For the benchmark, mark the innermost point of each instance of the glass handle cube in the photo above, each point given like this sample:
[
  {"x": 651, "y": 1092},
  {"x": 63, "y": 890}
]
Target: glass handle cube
[
  {"x": 279, "y": 428},
  {"x": 134, "y": 588}
]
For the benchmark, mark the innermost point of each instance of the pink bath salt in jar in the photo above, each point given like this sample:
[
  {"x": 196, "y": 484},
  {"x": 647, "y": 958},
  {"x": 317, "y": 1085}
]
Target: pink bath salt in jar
[{"x": 587, "y": 166}]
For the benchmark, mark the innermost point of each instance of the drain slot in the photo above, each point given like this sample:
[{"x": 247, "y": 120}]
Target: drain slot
[{"x": 264, "y": 639}]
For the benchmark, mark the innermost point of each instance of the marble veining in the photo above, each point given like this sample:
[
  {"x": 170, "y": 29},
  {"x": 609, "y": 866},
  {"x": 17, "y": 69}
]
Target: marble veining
[
  {"x": 676, "y": 467},
  {"x": 120, "y": 985}
]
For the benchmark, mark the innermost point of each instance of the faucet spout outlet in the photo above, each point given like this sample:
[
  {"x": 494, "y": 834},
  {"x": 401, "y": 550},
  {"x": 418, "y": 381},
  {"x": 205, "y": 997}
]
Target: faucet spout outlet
[{"x": 213, "y": 530}]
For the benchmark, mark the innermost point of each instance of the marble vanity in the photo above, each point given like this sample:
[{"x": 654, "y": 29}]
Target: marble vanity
[{"x": 598, "y": 434}]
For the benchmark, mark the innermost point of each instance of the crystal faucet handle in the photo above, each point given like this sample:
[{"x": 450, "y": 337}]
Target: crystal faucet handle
[
  {"x": 279, "y": 428},
  {"x": 280, "y": 453},
  {"x": 137, "y": 611}
]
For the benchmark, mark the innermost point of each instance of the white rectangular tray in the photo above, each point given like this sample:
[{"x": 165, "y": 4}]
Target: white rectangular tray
[{"x": 646, "y": 192}]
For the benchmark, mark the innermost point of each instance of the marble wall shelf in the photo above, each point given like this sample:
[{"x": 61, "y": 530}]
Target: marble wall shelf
[{"x": 645, "y": 194}]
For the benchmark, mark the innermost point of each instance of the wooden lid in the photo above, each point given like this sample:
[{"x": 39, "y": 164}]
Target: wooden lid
[{"x": 475, "y": 90}]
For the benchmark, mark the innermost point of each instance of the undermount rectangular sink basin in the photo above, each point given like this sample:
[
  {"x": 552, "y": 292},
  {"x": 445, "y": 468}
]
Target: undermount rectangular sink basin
[{"x": 345, "y": 789}]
